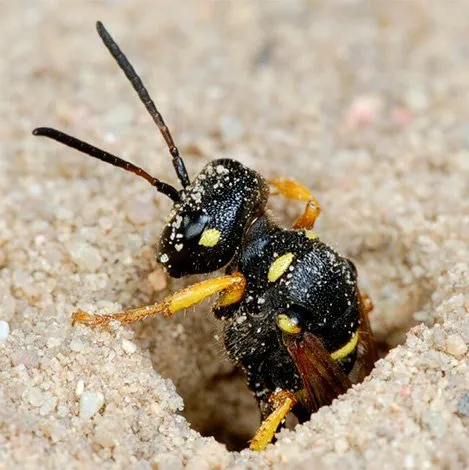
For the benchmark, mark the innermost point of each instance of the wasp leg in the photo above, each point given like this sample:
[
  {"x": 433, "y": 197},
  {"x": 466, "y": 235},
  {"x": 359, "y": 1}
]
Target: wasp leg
[
  {"x": 293, "y": 190},
  {"x": 367, "y": 345},
  {"x": 282, "y": 403},
  {"x": 367, "y": 303},
  {"x": 233, "y": 285}
]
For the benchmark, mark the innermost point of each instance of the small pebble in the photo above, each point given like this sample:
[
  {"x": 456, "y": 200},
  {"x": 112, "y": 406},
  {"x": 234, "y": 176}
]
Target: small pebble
[
  {"x": 86, "y": 257},
  {"x": 35, "y": 397},
  {"x": 49, "y": 405},
  {"x": 76, "y": 345},
  {"x": 28, "y": 358},
  {"x": 158, "y": 280},
  {"x": 128, "y": 346},
  {"x": 106, "y": 433},
  {"x": 463, "y": 405},
  {"x": 439, "y": 337},
  {"x": 79, "y": 388},
  {"x": 53, "y": 342},
  {"x": 465, "y": 330},
  {"x": 363, "y": 111},
  {"x": 90, "y": 404},
  {"x": 341, "y": 446},
  {"x": 455, "y": 345},
  {"x": 4, "y": 329},
  {"x": 8, "y": 303}
]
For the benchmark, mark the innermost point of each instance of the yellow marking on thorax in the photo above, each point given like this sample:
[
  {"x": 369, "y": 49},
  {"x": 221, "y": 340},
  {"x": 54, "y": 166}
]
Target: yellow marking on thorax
[
  {"x": 288, "y": 325},
  {"x": 279, "y": 266},
  {"x": 311, "y": 234},
  {"x": 210, "y": 237},
  {"x": 345, "y": 350}
]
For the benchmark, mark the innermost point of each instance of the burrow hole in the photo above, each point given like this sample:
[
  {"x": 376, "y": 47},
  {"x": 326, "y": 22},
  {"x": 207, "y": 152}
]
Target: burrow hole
[{"x": 217, "y": 401}]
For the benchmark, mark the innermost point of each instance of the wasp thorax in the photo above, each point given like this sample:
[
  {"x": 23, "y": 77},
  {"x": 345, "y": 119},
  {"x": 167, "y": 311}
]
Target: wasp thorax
[{"x": 206, "y": 227}]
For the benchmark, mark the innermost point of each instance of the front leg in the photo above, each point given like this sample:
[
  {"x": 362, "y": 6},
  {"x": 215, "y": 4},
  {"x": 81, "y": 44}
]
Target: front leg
[
  {"x": 282, "y": 403},
  {"x": 291, "y": 189},
  {"x": 233, "y": 287}
]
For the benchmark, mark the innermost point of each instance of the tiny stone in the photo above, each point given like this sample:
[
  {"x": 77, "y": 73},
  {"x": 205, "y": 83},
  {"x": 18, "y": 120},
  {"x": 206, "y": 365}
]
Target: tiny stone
[
  {"x": 53, "y": 342},
  {"x": 90, "y": 404},
  {"x": 57, "y": 432},
  {"x": 156, "y": 409},
  {"x": 106, "y": 432},
  {"x": 167, "y": 460},
  {"x": 128, "y": 346},
  {"x": 455, "y": 345},
  {"x": 341, "y": 446},
  {"x": 157, "y": 280},
  {"x": 8, "y": 303},
  {"x": 48, "y": 406},
  {"x": 79, "y": 388},
  {"x": 465, "y": 330},
  {"x": 4, "y": 329},
  {"x": 35, "y": 397},
  {"x": 106, "y": 223},
  {"x": 26, "y": 357},
  {"x": 76, "y": 345},
  {"x": 463, "y": 405},
  {"x": 439, "y": 338},
  {"x": 363, "y": 111},
  {"x": 409, "y": 461},
  {"x": 86, "y": 257}
]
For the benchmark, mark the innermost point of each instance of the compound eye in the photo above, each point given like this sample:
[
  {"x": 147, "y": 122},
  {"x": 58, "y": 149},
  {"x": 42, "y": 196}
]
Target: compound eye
[
  {"x": 193, "y": 225},
  {"x": 289, "y": 324}
]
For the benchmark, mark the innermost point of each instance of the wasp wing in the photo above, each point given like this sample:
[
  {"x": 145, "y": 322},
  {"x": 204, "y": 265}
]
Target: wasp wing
[{"x": 322, "y": 377}]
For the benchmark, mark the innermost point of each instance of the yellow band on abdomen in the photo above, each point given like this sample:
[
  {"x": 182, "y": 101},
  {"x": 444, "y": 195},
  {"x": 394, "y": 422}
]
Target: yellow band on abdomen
[{"x": 346, "y": 349}]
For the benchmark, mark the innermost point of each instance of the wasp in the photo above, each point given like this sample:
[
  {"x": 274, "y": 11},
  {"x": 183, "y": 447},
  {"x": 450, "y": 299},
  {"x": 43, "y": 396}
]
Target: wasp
[{"x": 294, "y": 318}]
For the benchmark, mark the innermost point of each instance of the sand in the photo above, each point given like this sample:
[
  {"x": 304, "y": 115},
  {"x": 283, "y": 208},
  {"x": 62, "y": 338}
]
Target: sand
[{"x": 364, "y": 102}]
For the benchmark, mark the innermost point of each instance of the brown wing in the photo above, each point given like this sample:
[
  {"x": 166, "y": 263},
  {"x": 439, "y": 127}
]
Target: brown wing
[{"x": 322, "y": 377}]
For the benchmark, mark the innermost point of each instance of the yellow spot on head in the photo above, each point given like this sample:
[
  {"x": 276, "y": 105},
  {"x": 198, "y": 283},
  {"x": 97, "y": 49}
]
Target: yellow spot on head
[
  {"x": 288, "y": 325},
  {"x": 279, "y": 266},
  {"x": 310, "y": 234},
  {"x": 210, "y": 237},
  {"x": 345, "y": 350}
]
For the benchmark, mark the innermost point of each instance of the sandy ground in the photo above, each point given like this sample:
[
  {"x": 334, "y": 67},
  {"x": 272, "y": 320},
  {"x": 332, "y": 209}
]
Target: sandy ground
[{"x": 367, "y": 103}]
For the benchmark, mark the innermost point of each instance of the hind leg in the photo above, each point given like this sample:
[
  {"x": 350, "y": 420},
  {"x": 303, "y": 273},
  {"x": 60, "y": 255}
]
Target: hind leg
[
  {"x": 281, "y": 403},
  {"x": 291, "y": 189}
]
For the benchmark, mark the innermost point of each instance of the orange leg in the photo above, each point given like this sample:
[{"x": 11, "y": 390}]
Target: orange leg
[
  {"x": 292, "y": 190},
  {"x": 367, "y": 302},
  {"x": 233, "y": 287},
  {"x": 367, "y": 346},
  {"x": 282, "y": 402}
]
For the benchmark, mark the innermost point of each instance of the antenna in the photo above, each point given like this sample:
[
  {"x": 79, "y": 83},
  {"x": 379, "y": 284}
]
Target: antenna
[
  {"x": 107, "y": 157},
  {"x": 144, "y": 96}
]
